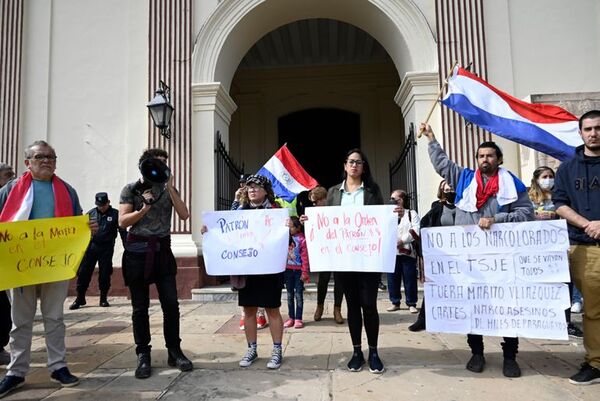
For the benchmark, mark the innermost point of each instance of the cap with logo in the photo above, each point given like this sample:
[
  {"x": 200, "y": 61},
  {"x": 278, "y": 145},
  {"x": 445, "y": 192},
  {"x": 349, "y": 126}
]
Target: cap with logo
[{"x": 101, "y": 198}]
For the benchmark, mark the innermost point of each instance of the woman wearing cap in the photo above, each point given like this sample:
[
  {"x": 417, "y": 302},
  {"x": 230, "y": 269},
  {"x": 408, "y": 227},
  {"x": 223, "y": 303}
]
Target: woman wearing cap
[
  {"x": 262, "y": 290},
  {"x": 360, "y": 288}
]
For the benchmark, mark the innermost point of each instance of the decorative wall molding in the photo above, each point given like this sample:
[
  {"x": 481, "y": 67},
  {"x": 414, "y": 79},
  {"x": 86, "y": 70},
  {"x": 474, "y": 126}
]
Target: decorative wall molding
[
  {"x": 169, "y": 60},
  {"x": 212, "y": 96},
  {"x": 11, "y": 43},
  {"x": 416, "y": 86}
]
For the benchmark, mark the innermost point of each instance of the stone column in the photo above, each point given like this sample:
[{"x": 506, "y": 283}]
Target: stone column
[
  {"x": 415, "y": 97},
  {"x": 212, "y": 108}
]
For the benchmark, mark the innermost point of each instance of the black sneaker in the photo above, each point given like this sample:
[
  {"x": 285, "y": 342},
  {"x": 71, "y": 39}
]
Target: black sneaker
[
  {"x": 574, "y": 331},
  {"x": 64, "y": 377},
  {"x": 375, "y": 364},
  {"x": 176, "y": 358},
  {"x": 356, "y": 363},
  {"x": 419, "y": 325},
  {"x": 10, "y": 383},
  {"x": 77, "y": 303},
  {"x": 144, "y": 366},
  {"x": 510, "y": 368},
  {"x": 586, "y": 375},
  {"x": 476, "y": 363},
  {"x": 382, "y": 286}
]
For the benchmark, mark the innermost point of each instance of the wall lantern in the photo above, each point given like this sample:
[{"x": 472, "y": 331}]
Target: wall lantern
[{"x": 161, "y": 109}]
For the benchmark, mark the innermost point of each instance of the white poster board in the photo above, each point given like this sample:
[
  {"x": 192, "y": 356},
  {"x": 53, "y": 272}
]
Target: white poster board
[
  {"x": 351, "y": 238},
  {"x": 245, "y": 241},
  {"x": 506, "y": 281}
]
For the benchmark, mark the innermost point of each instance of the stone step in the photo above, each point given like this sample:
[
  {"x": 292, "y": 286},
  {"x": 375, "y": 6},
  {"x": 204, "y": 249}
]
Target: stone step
[{"x": 223, "y": 293}]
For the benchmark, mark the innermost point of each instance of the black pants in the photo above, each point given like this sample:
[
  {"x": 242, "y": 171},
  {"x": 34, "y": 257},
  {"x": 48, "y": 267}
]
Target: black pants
[
  {"x": 5, "y": 321},
  {"x": 360, "y": 290},
  {"x": 140, "y": 301},
  {"x": 510, "y": 346},
  {"x": 102, "y": 254},
  {"x": 323, "y": 283}
]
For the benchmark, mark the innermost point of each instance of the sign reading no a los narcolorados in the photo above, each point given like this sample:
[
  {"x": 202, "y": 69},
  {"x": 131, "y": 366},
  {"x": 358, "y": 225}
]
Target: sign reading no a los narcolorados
[
  {"x": 506, "y": 281},
  {"x": 243, "y": 242}
]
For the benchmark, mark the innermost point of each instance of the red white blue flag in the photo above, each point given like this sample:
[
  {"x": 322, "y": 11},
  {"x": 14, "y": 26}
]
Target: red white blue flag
[
  {"x": 287, "y": 175},
  {"x": 546, "y": 128}
]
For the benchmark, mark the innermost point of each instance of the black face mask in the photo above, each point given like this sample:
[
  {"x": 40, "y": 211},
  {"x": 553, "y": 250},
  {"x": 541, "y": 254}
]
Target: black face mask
[{"x": 450, "y": 196}]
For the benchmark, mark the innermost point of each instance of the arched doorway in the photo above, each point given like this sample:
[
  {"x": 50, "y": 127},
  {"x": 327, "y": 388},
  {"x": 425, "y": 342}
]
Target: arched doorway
[
  {"x": 235, "y": 26},
  {"x": 319, "y": 138}
]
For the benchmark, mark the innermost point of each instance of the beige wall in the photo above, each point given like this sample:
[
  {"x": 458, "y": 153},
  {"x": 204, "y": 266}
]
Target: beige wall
[
  {"x": 262, "y": 96},
  {"x": 84, "y": 89}
]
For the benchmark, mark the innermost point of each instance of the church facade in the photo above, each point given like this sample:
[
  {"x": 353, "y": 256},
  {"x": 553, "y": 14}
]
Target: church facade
[{"x": 247, "y": 76}]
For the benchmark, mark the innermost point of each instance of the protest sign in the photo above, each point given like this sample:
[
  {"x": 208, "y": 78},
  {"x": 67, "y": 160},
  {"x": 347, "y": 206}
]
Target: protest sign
[
  {"x": 351, "y": 238},
  {"x": 243, "y": 242},
  {"x": 41, "y": 251},
  {"x": 504, "y": 281}
]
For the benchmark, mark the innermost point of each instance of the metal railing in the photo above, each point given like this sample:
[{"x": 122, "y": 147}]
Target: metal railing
[
  {"x": 403, "y": 170},
  {"x": 227, "y": 176}
]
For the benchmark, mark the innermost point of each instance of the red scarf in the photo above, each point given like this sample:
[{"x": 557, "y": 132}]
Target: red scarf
[
  {"x": 63, "y": 204},
  {"x": 487, "y": 190}
]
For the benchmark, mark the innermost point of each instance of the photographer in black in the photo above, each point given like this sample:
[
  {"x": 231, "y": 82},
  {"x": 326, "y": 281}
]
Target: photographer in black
[{"x": 146, "y": 207}]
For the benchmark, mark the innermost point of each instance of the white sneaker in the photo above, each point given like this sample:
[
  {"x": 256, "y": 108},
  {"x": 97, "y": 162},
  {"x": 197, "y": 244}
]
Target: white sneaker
[
  {"x": 576, "y": 307},
  {"x": 412, "y": 309},
  {"x": 393, "y": 308},
  {"x": 251, "y": 356},
  {"x": 276, "y": 359}
]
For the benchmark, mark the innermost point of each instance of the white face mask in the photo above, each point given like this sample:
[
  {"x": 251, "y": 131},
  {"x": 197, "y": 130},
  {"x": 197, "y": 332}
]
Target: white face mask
[{"x": 546, "y": 183}]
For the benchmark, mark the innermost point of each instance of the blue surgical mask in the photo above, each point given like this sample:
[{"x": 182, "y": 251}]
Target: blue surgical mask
[{"x": 546, "y": 183}]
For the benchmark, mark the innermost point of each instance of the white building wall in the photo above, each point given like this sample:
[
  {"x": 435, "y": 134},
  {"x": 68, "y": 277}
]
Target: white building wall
[
  {"x": 84, "y": 89},
  {"x": 84, "y": 76}
]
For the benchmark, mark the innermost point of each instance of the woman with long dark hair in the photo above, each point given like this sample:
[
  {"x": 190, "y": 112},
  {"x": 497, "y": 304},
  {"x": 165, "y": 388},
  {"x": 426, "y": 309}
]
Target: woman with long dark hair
[{"x": 360, "y": 288}]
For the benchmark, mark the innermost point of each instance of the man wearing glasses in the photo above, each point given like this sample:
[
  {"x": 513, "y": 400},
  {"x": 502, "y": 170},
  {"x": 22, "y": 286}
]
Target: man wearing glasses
[{"x": 38, "y": 194}]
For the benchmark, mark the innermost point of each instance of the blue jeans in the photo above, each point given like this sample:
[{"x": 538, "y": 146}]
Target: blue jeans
[
  {"x": 295, "y": 292},
  {"x": 576, "y": 295},
  {"x": 405, "y": 270}
]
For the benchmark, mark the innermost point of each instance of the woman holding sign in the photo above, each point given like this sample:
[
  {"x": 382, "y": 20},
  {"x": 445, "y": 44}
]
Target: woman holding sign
[
  {"x": 261, "y": 290},
  {"x": 360, "y": 288}
]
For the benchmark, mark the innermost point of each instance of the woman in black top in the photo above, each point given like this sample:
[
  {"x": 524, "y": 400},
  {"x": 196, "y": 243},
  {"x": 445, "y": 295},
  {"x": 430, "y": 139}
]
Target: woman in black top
[{"x": 360, "y": 288}]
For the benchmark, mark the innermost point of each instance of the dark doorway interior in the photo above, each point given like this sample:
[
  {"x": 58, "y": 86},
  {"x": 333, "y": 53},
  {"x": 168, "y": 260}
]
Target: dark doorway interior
[{"x": 319, "y": 138}]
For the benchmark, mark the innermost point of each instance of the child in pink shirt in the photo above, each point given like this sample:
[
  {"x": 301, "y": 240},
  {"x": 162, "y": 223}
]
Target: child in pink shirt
[{"x": 296, "y": 274}]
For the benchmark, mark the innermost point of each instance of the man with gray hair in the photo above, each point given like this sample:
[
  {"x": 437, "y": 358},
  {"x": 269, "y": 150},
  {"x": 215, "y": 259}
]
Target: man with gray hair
[{"x": 38, "y": 194}]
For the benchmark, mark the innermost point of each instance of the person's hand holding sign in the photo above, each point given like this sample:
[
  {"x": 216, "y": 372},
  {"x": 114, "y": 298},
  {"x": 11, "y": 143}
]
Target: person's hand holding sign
[{"x": 486, "y": 222}]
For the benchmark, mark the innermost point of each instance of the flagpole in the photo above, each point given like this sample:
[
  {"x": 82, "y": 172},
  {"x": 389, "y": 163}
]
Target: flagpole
[{"x": 435, "y": 102}]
